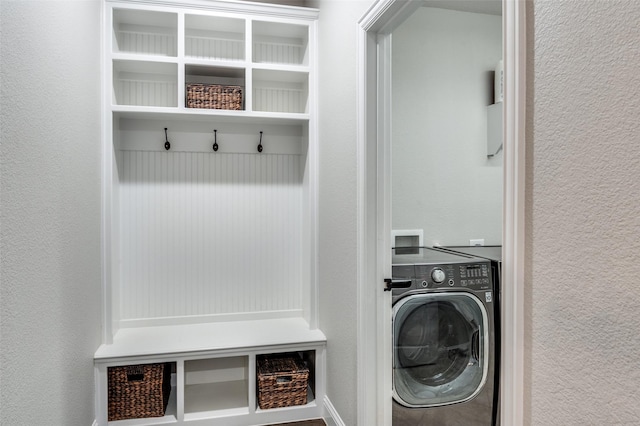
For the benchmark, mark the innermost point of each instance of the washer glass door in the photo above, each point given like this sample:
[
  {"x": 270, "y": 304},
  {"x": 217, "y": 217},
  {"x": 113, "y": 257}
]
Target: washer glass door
[{"x": 440, "y": 348}]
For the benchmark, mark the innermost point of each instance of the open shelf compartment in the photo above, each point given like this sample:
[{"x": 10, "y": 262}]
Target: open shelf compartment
[
  {"x": 279, "y": 43},
  {"x": 143, "y": 83},
  {"x": 140, "y": 393},
  {"x": 276, "y": 393},
  {"x": 229, "y": 81},
  {"x": 280, "y": 91},
  {"x": 214, "y": 38},
  {"x": 216, "y": 386},
  {"x": 145, "y": 32}
]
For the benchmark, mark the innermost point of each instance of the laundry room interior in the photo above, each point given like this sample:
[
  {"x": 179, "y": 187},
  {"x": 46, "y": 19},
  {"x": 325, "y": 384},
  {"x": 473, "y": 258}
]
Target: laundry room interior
[
  {"x": 367, "y": 172},
  {"x": 446, "y": 169},
  {"x": 446, "y": 193}
]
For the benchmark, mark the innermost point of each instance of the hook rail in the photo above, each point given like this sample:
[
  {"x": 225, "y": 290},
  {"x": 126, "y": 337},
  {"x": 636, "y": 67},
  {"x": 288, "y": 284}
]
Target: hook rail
[{"x": 236, "y": 143}]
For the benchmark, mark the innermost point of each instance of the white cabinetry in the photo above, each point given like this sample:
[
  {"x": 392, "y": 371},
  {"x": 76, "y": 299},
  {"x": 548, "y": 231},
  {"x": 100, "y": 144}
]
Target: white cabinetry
[
  {"x": 200, "y": 237},
  {"x": 216, "y": 384}
]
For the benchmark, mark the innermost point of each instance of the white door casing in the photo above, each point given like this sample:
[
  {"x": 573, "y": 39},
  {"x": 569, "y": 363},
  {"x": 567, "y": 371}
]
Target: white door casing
[{"x": 374, "y": 210}]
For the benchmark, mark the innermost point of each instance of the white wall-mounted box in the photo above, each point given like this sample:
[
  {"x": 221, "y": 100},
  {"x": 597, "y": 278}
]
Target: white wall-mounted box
[{"x": 494, "y": 129}]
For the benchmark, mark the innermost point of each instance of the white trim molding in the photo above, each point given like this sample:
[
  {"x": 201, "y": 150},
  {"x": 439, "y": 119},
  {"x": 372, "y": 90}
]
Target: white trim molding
[
  {"x": 374, "y": 228},
  {"x": 515, "y": 62},
  {"x": 334, "y": 418}
]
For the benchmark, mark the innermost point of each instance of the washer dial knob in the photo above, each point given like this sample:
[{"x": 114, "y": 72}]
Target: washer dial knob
[{"x": 438, "y": 276}]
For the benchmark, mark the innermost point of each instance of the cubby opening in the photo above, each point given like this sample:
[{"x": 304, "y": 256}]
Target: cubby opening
[
  {"x": 145, "y": 32},
  {"x": 216, "y": 386},
  {"x": 142, "y": 391},
  {"x": 307, "y": 358},
  {"x": 280, "y": 91},
  {"x": 143, "y": 83},
  {"x": 279, "y": 43},
  {"x": 214, "y": 38},
  {"x": 230, "y": 93}
]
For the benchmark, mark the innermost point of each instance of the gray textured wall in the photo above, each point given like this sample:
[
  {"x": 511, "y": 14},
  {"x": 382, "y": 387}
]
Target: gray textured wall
[
  {"x": 583, "y": 221},
  {"x": 50, "y": 211}
]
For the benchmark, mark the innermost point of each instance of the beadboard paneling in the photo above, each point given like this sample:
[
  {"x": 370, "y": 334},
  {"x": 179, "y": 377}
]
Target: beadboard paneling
[
  {"x": 131, "y": 91},
  {"x": 279, "y": 99},
  {"x": 144, "y": 83},
  {"x": 209, "y": 234},
  {"x": 278, "y": 52},
  {"x": 214, "y": 48},
  {"x": 146, "y": 42}
]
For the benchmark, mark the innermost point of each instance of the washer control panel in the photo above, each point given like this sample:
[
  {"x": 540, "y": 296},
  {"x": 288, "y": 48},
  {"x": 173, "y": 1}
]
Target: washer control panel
[
  {"x": 430, "y": 268},
  {"x": 476, "y": 276}
]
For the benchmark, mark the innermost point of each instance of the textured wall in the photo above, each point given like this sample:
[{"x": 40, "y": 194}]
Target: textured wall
[
  {"x": 337, "y": 221},
  {"x": 50, "y": 211},
  {"x": 583, "y": 222}
]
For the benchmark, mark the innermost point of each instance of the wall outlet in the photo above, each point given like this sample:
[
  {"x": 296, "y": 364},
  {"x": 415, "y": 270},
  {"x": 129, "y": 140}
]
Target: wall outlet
[{"x": 478, "y": 242}]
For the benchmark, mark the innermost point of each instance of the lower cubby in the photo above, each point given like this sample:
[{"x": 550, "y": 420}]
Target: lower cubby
[
  {"x": 216, "y": 386},
  {"x": 139, "y": 390}
]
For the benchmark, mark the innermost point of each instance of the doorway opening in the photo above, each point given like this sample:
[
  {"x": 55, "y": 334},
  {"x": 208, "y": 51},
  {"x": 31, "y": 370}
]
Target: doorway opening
[{"x": 374, "y": 212}]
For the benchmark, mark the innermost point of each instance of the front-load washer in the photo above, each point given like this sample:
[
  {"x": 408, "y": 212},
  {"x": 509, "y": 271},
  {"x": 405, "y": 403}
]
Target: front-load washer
[
  {"x": 443, "y": 339},
  {"x": 493, "y": 254}
]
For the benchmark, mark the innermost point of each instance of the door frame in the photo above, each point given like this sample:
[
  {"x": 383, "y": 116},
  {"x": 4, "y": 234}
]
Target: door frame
[{"x": 374, "y": 209}]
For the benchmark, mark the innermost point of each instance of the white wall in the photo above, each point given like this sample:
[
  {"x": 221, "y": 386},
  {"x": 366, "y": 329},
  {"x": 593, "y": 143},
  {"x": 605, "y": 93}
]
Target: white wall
[
  {"x": 337, "y": 219},
  {"x": 442, "y": 180},
  {"x": 583, "y": 198},
  {"x": 50, "y": 211}
]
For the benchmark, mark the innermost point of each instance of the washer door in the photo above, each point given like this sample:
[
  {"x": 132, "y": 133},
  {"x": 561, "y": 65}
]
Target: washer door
[{"x": 440, "y": 348}]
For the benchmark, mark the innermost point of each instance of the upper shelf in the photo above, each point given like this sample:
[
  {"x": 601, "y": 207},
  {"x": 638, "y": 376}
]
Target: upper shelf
[
  {"x": 145, "y": 32},
  {"x": 206, "y": 115},
  {"x": 280, "y": 44},
  {"x": 156, "y": 54},
  {"x": 216, "y": 38}
]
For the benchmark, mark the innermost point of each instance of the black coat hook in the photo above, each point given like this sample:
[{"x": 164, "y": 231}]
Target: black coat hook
[
  {"x": 167, "y": 145},
  {"x": 260, "y": 144},
  {"x": 215, "y": 140}
]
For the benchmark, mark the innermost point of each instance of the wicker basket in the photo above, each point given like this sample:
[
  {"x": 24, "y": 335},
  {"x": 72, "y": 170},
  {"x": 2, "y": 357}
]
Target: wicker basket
[
  {"x": 282, "y": 381},
  {"x": 138, "y": 391},
  {"x": 214, "y": 96}
]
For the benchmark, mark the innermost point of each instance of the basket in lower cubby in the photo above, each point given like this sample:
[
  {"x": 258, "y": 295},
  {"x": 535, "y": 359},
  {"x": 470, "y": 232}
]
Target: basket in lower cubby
[
  {"x": 282, "y": 379},
  {"x": 138, "y": 391}
]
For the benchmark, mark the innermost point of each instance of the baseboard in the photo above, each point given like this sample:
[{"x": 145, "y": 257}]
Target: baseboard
[{"x": 332, "y": 418}]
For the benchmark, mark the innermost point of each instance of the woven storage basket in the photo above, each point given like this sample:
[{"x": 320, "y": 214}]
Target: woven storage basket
[
  {"x": 282, "y": 381},
  {"x": 214, "y": 96},
  {"x": 138, "y": 391}
]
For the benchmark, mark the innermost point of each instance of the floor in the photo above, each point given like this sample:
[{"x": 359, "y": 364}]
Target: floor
[{"x": 316, "y": 422}]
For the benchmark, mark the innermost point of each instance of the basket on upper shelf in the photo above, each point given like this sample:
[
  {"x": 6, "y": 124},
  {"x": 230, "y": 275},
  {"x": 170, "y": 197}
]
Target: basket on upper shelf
[
  {"x": 282, "y": 381},
  {"x": 214, "y": 96}
]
